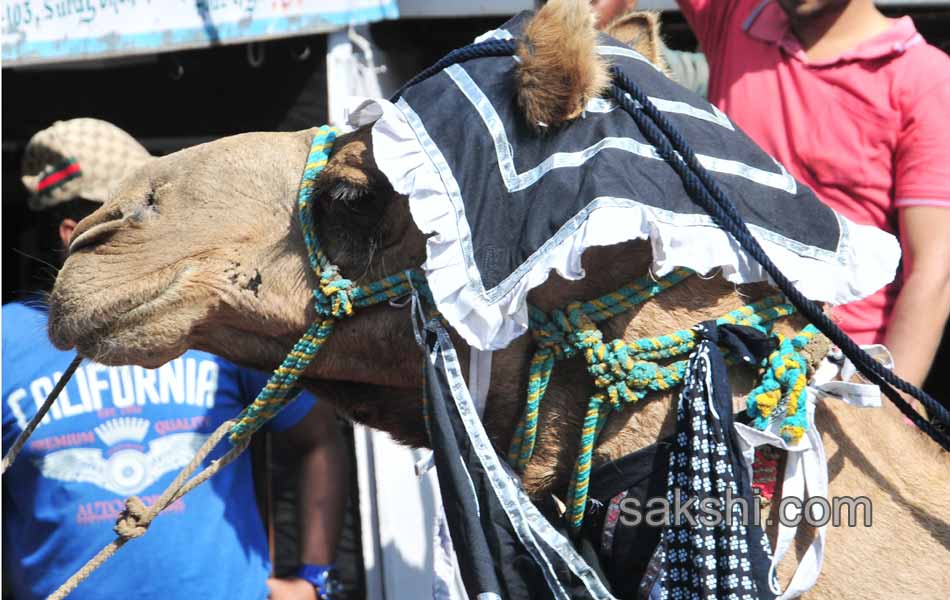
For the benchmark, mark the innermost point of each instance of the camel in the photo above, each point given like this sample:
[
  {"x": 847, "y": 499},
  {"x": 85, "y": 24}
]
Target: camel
[{"x": 201, "y": 249}]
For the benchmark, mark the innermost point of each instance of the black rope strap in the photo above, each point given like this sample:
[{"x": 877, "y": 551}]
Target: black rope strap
[
  {"x": 705, "y": 191},
  {"x": 472, "y": 51}
]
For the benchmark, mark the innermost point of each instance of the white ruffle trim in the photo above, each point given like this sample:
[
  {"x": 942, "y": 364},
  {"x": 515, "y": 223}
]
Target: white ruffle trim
[{"x": 866, "y": 259}]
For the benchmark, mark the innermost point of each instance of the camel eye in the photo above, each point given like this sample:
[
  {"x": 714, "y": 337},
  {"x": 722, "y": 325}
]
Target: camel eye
[
  {"x": 355, "y": 205},
  {"x": 355, "y": 198}
]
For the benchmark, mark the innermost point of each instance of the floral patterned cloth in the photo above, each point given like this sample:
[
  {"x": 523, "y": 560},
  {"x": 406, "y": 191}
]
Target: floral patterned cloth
[{"x": 698, "y": 559}]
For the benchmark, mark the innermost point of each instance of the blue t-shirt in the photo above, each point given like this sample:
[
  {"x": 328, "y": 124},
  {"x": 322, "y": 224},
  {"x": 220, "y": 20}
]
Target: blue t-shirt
[{"x": 115, "y": 432}]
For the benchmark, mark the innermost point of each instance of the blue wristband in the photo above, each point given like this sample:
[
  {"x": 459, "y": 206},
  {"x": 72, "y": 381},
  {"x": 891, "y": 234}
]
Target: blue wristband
[{"x": 317, "y": 575}]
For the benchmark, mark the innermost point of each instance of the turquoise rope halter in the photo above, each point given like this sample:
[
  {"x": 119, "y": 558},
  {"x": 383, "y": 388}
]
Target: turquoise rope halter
[{"x": 335, "y": 298}]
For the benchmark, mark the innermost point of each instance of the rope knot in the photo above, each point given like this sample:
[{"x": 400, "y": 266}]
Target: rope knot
[
  {"x": 781, "y": 393},
  {"x": 553, "y": 335},
  {"x": 335, "y": 298},
  {"x": 132, "y": 522}
]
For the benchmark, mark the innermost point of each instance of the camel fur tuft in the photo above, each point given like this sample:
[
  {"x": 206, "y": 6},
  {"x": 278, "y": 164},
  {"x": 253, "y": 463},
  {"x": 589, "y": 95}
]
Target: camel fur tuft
[{"x": 559, "y": 69}]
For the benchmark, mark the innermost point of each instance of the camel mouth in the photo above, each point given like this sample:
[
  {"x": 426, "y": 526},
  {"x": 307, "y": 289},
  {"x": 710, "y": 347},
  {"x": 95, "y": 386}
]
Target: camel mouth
[{"x": 100, "y": 331}]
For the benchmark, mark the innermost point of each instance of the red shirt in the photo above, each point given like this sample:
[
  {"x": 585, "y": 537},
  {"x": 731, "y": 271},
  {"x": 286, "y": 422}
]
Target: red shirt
[{"x": 867, "y": 131}]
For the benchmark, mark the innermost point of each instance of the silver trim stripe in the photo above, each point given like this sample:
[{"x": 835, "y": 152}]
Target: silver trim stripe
[
  {"x": 600, "y": 105},
  {"x": 494, "y": 34},
  {"x": 530, "y": 526},
  {"x": 716, "y": 116},
  {"x": 515, "y": 181},
  {"x": 682, "y": 108}
]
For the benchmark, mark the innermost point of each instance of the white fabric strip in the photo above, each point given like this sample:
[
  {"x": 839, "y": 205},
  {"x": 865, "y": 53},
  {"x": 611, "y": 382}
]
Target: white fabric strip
[
  {"x": 806, "y": 470},
  {"x": 479, "y": 378},
  {"x": 529, "y": 525}
]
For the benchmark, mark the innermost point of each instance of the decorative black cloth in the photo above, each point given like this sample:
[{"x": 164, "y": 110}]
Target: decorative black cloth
[
  {"x": 728, "y": 559},
  {"x": 506, "y": 205},
  {"x": 626, "y": 546}
]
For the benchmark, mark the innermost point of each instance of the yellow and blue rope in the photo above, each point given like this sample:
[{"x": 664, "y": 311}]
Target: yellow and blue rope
[
  {"x": 782, "y": 390},
  {"x": 335, "y": 298},
  {"x": 553, "y": 335},
  {"x": 625, "y": 372}
]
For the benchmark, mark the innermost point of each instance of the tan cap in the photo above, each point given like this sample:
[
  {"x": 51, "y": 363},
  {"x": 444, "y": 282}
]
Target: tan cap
[{"x": 78, "y": 158}]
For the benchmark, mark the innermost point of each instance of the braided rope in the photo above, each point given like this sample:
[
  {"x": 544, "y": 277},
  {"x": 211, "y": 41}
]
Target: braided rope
[
  {"x": 551, "y": 334},
  {"x": 624, "y": 369},
  {"x": 625, "y": 377},
  {"x": 625, "y": 372},
  {"x": 782, "y": 389},
  {"x": 331, "y": 301},
  {"x": 335, "y": 298}
]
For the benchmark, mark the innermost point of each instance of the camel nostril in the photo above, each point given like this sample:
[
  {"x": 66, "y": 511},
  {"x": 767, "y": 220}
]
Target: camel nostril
[{"x": 95, "y": 227}]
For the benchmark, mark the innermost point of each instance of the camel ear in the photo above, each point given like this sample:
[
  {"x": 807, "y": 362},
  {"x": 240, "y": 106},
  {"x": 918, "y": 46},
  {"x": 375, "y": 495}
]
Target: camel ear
[
  {"x": 559, "y": 68},
  {"x": 640, "y": 29},
  {"x": 351, "y": 185}
]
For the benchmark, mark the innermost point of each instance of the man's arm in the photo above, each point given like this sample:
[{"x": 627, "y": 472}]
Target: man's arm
[
  {"x": 922, "y": 197},
  {"x": 920, "y": 314},
  {"x": 322, "y": 491}
]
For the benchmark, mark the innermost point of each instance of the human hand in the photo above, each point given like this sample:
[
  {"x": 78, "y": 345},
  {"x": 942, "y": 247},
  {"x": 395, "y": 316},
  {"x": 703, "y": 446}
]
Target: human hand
[{"x": 290, "y": 588}]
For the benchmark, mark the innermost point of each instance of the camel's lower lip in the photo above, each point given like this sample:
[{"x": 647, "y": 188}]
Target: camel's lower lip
[
  {"x": 87, "y": 331},
  {"x": 162, "y": 297}
]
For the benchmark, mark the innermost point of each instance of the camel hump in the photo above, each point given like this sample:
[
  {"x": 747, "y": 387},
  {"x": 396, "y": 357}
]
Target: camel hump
[{"x": 559, "y": 69}]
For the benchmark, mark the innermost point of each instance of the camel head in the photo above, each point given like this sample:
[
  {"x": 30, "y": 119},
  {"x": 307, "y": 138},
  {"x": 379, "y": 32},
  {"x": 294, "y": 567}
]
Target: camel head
[
  {"x": 202, "y": 249},
  {"x": 187, "y": 240}
]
